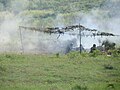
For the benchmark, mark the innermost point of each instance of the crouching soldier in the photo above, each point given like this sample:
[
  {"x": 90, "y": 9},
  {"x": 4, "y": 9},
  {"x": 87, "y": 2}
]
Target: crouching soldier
[{"x": 93, "y": 48}]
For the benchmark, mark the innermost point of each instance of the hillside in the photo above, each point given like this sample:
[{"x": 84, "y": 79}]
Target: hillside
[
  {"x": 42, "y": 12},
  {"x": 58, "y": 6},
  {"x": 48, "y": 13}
]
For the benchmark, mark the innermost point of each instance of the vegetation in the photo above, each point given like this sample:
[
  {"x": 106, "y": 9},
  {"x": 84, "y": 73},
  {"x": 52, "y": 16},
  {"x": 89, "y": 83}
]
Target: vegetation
[
  {"x": 74, "y": 71},
  {"x": 43, "y": 13},
  {"x": 59, "y": 6},
  {"x": 108, "y": 45},
  {"x": 60, "y": 10},
  {"x": 48, "y": 72}
]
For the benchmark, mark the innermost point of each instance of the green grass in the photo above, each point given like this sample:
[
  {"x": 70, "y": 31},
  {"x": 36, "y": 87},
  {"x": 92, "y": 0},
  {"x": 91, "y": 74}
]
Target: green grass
[{"x": 68, "y": 72}]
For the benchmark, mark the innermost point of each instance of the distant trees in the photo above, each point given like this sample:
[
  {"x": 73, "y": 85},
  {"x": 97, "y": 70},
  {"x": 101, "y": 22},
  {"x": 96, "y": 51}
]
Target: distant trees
[
  {"x": 45, "y": 12},
  {"x": 61, "y": 6},
  {"x": 108, "y": 45}
]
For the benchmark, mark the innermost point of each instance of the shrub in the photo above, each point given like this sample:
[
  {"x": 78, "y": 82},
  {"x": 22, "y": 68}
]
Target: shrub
[
  {"x": 95, "y": 53},
  {"x": 110, "y": 86},
  {"x": 108, "y": 66},
  {"x": 57, "y": 55},
  {"x": 115, "y": 53},
  {"x": 108, "y": 45}
]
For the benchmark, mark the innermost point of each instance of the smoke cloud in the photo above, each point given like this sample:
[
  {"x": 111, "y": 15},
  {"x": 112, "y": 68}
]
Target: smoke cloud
[
  {"x": 106, "y": 18},
  {"x": 32, "y": 42}
]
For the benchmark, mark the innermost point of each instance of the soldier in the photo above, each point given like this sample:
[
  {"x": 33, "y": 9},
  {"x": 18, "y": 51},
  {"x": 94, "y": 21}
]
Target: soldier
[{"x": 93, "y": 48}]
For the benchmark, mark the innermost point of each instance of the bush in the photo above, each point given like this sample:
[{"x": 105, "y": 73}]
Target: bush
[
  {"x": 57, "y": 55},
  {"x": 108, "y": 66},
  {"x": 115, "y": 53},
  {"x": 95, "y": 53}
]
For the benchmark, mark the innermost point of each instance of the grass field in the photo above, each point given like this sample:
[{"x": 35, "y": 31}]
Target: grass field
[{"x": 66, "y": 72}]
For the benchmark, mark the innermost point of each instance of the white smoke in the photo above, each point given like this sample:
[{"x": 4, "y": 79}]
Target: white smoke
[
  {"x": 8, "y": 32},
  {"x": 29, "y": 41},
  {"x": 106, "y": 18}
]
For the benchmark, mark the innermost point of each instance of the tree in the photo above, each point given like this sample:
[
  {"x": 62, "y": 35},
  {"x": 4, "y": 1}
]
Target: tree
[{"x": 108, "y": 45}]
